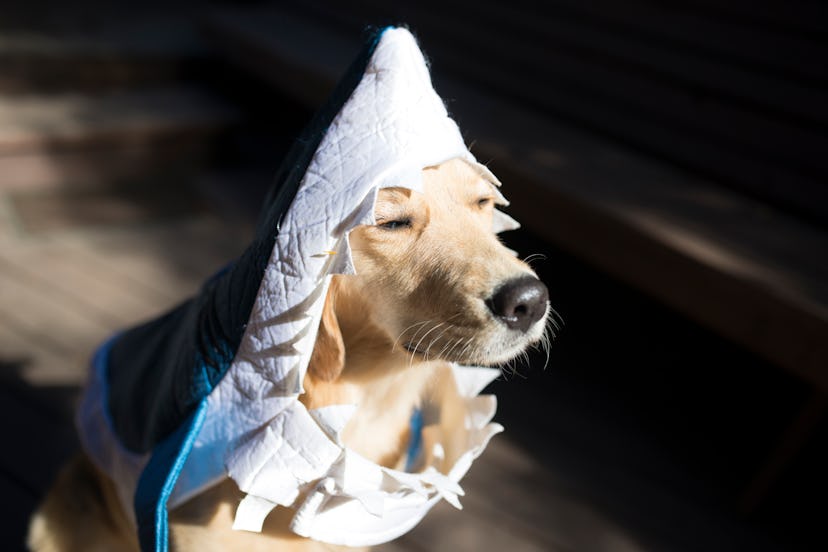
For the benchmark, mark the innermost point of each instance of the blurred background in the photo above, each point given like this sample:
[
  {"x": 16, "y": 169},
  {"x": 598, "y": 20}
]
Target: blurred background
[{"x": 668, "y": 162}]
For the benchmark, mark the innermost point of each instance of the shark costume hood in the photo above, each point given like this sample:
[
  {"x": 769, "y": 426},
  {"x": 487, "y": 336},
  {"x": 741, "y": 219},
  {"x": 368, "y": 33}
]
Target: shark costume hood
[{"x": 210, "y": 390}]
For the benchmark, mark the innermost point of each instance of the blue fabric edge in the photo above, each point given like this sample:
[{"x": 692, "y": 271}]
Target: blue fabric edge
[
  {"x": 415, "y": 444},
  {"x": 158, "y": 480}
]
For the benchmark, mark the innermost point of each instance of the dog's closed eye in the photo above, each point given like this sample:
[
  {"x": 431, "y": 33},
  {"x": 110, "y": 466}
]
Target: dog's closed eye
[
  {"x": 395, "y": 224},
  {"x": 484, "y": 202}
]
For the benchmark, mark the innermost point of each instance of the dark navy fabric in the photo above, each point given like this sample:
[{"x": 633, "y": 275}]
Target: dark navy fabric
[{"x": 160, "y": 371}]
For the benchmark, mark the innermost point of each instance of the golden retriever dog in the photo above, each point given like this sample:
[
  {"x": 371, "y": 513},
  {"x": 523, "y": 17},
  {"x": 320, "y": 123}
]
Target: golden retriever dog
[{"x": 433, "y": 285}]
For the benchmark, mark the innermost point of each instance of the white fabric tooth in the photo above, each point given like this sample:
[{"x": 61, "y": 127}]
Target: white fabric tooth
[
  {"x": 251, "y": 513},
  {"x": 357, "y": 474},
  {"x": 367, "y": 211},
  {"x": 411, "y": 481},
  {"x": 402, "y": 175},
  {"x": 483, "y": 436},
  {"x": 471, "y": 380},
  {"x": 482, "y": 169},
  {"x": 373, "y": 502},
  {"x": 343, "y": 259},
  {"x": 333, "y": 419},
  {"x": 501, "y": 222},
  {"x": 291, "y": 384},
  {"x": 481, "y": 409},
  {"x": 305, "y": 515},
  {"x": 461, "y": 466},
  {"x": 363, "y": 213},
  {"x": 451, "y": 498},
  {"x": 442, "y": 482},
  {"x": 500, "y": 199}
]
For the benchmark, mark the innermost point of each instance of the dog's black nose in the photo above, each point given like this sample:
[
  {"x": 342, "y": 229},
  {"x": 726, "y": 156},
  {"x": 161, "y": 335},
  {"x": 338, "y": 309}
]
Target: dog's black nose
[{"x": 519, "y": 302}]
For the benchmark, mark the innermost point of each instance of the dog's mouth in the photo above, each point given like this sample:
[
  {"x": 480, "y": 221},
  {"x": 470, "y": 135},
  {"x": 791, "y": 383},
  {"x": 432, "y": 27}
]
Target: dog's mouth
[{"x": 411, "y": 348}]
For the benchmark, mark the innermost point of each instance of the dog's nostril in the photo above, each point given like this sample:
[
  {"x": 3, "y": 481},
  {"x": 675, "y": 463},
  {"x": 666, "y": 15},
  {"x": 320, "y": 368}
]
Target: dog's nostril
[{"x": 520, "y": 302}]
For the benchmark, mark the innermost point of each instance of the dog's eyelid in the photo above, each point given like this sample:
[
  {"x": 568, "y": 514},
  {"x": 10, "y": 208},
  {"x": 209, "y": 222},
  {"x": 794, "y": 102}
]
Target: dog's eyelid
[
  {"x": 394, "y": 223},
  {"x": 485, "y": 201}
]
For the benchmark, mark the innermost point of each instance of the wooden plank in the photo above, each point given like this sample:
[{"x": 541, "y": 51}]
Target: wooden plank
[
  {"x": 169, "y": 196},
  {"x": 62, "y": 295},
  {"x": 148, "y": 164},
  {"x": 173, "y": 258},
  {"x": 115, "y": 53},
  {"x": 32, "y": 123},
  {"x": 41, "y": 312},
  {"x": 104, "y": 298},
  {"x": 145, "y": 286},
  {"x": 38, "y": 362},
  {"x": 751, "y": 274},
  {"x": 103, "y": 141}
]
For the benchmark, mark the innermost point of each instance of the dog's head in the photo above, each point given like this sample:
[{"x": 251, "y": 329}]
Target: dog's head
[{"x": 433, "y": 276}]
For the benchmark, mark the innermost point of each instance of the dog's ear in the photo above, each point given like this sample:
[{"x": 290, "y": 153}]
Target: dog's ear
[{"x": 328, "y": 357}]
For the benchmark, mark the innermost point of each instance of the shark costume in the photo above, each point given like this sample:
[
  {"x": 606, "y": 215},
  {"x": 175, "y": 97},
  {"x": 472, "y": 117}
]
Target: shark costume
[{"x": 210, "y": 390}]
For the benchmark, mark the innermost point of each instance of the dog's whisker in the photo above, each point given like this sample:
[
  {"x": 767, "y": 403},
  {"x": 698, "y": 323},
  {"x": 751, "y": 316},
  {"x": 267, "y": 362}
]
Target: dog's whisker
[
  {"x": 518, "y": 374},
  {"x": 436, "y": 339},
  {"x": 556, "y": 318},
  {"x": 546, "y": 346},
  {"x": 402, "y": 333},
  {"x": 464, "y": 351},
  {"x": 422, "y": 327},
  {"x": 443, "y": 350},
  {"x": 457, "y": 342},
  {"x": 551, "y": 329},
  {"x": 417, "y": 346},
  {"x": 534, "y": 257}
]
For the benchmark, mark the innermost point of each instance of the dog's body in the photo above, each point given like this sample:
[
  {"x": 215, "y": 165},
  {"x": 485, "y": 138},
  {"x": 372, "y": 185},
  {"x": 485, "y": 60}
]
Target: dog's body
[{"x": 433, "y": 285}]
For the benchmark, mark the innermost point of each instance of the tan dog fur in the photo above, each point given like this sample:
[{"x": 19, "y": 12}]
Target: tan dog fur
[{"x": 424, "y": 272}]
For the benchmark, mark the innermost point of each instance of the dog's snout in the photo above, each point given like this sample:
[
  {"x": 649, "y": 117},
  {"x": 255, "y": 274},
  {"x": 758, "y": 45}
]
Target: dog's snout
[{"x": 519, "y": 302}]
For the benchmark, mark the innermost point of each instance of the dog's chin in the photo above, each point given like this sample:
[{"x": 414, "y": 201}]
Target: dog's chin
[{"x": 499, "y": 346}]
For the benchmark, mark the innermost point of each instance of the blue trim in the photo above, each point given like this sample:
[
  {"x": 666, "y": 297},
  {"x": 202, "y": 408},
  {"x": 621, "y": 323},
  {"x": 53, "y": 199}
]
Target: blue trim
[
  {"x": 158, "y": 480},
  {"x": 415, "y": 445}
]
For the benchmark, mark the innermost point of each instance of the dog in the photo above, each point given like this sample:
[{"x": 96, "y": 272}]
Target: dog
[{"x": 433, "y": 285}]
